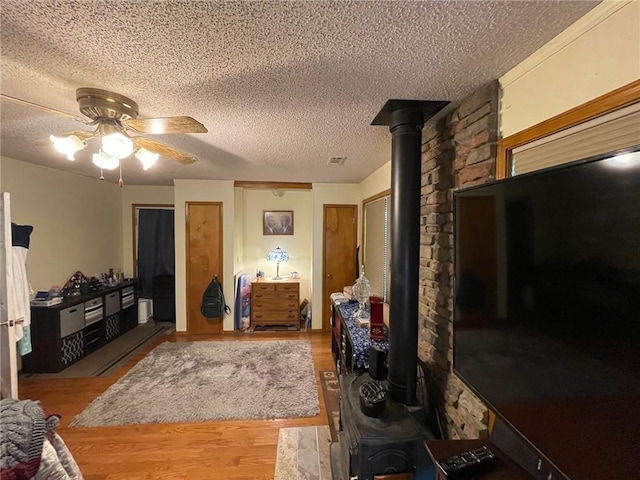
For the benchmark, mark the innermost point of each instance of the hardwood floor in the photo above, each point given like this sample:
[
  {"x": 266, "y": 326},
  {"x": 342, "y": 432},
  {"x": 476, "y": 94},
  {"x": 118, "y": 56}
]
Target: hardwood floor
[{"x": 193, "y": 451}]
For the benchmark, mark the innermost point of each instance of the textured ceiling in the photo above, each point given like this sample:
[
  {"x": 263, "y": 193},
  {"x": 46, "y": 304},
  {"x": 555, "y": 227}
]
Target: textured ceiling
[{"x": 281, "y": 86}]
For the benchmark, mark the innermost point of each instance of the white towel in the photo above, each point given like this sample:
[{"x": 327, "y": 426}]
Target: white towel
[{"x": 19, "y": 291}]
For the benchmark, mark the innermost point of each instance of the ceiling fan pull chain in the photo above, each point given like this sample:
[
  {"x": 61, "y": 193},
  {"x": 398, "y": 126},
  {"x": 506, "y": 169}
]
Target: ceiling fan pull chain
[
  {"x": 101, "y": 174},
  {"x": 120, "y": 181}
]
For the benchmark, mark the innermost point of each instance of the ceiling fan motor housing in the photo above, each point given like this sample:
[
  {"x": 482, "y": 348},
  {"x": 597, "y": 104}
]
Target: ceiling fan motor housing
[{"x": 101, "y": 104}]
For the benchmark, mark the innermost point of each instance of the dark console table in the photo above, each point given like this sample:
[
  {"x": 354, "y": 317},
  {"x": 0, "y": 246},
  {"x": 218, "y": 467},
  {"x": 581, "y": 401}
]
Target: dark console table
[
  {"x": 62, "y": 334},
  {"x": 350, "y": 343}
]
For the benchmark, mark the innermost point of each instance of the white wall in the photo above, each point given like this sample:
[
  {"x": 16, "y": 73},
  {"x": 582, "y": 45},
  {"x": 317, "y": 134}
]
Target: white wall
[
  {"x": 298, "y": 245},
  {"x": 77, "y": 221},
  {"x": 204, "y": 191},
  {"x": 595, "y": 55},
  {"x": 323, "y": 194},
  {"x": 139, "y": 195}
]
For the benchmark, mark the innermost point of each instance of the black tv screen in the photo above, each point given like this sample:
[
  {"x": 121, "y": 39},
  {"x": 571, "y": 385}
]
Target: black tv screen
[{"x": 547, "y": 310}]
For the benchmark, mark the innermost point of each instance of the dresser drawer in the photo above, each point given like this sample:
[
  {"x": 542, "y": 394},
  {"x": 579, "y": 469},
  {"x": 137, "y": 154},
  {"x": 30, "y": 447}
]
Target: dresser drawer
[
  {"x": 287, "y": 287},
  {"x": 71, "y": 320},
  {"x": 263, "y": 295},
  {"x": 286, "y": 296},
  {"x": 275, "y": 304},
  {"x": 274, "y": 317},
  {"x": 263, "y": 288},
  {"x": 262, "y": 291}
]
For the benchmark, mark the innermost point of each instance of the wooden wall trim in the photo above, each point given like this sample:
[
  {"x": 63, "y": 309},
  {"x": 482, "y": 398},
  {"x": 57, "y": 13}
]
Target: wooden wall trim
[
  {"x": 377, "y": 196},
  {"x": 614, "y": 100},
  {"x": 270, "y": 185}
]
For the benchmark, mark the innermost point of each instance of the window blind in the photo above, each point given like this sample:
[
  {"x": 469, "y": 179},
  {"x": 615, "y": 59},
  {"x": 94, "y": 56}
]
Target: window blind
[
  {"x": 613, "y": 131},
  {"x": 376, "y": 245}
]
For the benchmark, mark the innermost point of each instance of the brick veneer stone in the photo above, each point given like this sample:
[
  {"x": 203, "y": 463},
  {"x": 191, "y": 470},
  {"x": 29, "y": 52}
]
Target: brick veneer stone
[{"x": 457, "y": 151}]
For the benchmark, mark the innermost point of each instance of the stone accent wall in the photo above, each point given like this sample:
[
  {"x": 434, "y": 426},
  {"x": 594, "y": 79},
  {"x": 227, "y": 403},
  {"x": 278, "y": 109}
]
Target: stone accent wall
[{"x": 457, "y": 151}]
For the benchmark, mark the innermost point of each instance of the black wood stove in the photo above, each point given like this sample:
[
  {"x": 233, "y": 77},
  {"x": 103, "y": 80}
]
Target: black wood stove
[
  {"x": 368, "y": 446},
  {"x": 393, "y": 442}
]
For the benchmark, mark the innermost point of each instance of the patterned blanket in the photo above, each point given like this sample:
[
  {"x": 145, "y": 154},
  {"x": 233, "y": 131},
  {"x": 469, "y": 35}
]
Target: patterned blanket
[{"x": 29, "y": 446}]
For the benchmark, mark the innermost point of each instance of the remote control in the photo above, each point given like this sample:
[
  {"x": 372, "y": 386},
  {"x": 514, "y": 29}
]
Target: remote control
[{"x": 467, "y": 461}]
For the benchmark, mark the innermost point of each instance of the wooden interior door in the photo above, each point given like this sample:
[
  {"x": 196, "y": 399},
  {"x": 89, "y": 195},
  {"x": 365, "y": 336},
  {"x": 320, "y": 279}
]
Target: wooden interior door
[
  {"x": 339, "y": 253},
  {"x": 204, "y": 260}
]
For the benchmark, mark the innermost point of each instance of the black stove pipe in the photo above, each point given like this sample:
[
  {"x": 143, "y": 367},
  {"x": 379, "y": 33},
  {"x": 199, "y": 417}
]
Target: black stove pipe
[{"x": 405, "y": 119}]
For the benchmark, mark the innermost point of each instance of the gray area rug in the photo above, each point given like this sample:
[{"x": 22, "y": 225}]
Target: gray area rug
[{"x": 204, "y": 381}]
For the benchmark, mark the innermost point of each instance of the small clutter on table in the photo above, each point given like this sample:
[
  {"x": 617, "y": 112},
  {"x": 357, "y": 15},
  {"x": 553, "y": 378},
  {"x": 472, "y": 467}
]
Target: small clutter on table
[
  {"x": 45, "y": 298},
  {"x": 80, "y": 284},
  {"x": 361, "y": 292},
  {"x": 72, "y": 287},
  {"x": 377, "y": 319},
  {"x": 347, "y": 292}
]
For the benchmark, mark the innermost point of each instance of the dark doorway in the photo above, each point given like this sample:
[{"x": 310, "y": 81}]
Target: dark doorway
[{"x": 155, "y": 249}]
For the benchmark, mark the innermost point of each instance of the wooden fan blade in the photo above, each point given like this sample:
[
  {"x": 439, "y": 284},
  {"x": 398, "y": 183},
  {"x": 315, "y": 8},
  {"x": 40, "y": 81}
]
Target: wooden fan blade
[
  {"x": 44, "y": 109},
  {"x": 165, "y": 125},
  {"x": 164, "y": 150},
  {"x": 84, "y": 136}
]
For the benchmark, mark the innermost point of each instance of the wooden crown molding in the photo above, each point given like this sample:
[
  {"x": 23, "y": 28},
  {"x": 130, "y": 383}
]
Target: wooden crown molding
[{"x": 271, "y": 185}]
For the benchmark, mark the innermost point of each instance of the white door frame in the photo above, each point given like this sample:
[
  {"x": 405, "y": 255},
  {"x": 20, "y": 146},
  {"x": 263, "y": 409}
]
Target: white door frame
[{"x": 8, "y": 355}]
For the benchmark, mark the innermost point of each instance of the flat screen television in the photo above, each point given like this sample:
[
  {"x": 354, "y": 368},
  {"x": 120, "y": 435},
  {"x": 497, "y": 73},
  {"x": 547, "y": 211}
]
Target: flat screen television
[{"x": 547, "y": 311}]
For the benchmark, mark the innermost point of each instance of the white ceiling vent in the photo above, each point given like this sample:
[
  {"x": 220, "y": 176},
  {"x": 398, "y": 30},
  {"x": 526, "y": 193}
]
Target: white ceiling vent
[{"x": 337, "y": 160}]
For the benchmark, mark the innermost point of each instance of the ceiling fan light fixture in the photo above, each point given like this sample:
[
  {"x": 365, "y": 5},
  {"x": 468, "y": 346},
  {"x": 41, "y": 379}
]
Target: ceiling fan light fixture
[
  {"x": 67, "y": 145},
  {"x": 147, "y": 158},
  {"x": 117, "y": 145},
  {"x": 104, "y": 161}
]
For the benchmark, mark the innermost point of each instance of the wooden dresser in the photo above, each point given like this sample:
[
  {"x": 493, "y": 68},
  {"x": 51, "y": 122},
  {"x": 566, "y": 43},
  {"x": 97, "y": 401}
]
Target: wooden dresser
[{"x": 275, "y": 302}]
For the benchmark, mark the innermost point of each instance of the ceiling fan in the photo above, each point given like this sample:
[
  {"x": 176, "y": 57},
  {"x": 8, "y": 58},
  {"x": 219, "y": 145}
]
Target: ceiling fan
[{"x": 118, "y": 125}]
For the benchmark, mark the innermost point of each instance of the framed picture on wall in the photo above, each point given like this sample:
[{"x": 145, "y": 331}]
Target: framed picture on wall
[{"x": 277, "y": 222}]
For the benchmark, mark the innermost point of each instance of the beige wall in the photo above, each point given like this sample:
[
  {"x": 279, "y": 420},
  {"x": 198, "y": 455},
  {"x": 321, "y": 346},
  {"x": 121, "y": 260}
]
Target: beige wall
[
  {"x": 238, "y": 232},
  {"x": 378, "y": 181},
  {"x": 298, "y": 245},
  {"x": 101, "y": 231},
  {"x": 324, "y": 194},
  {"x": 77, "y": 221},
  {"x": 595, "y": 55},
  {"x": 204, "y": 191},
  {"x": 139, "y": 195}
]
